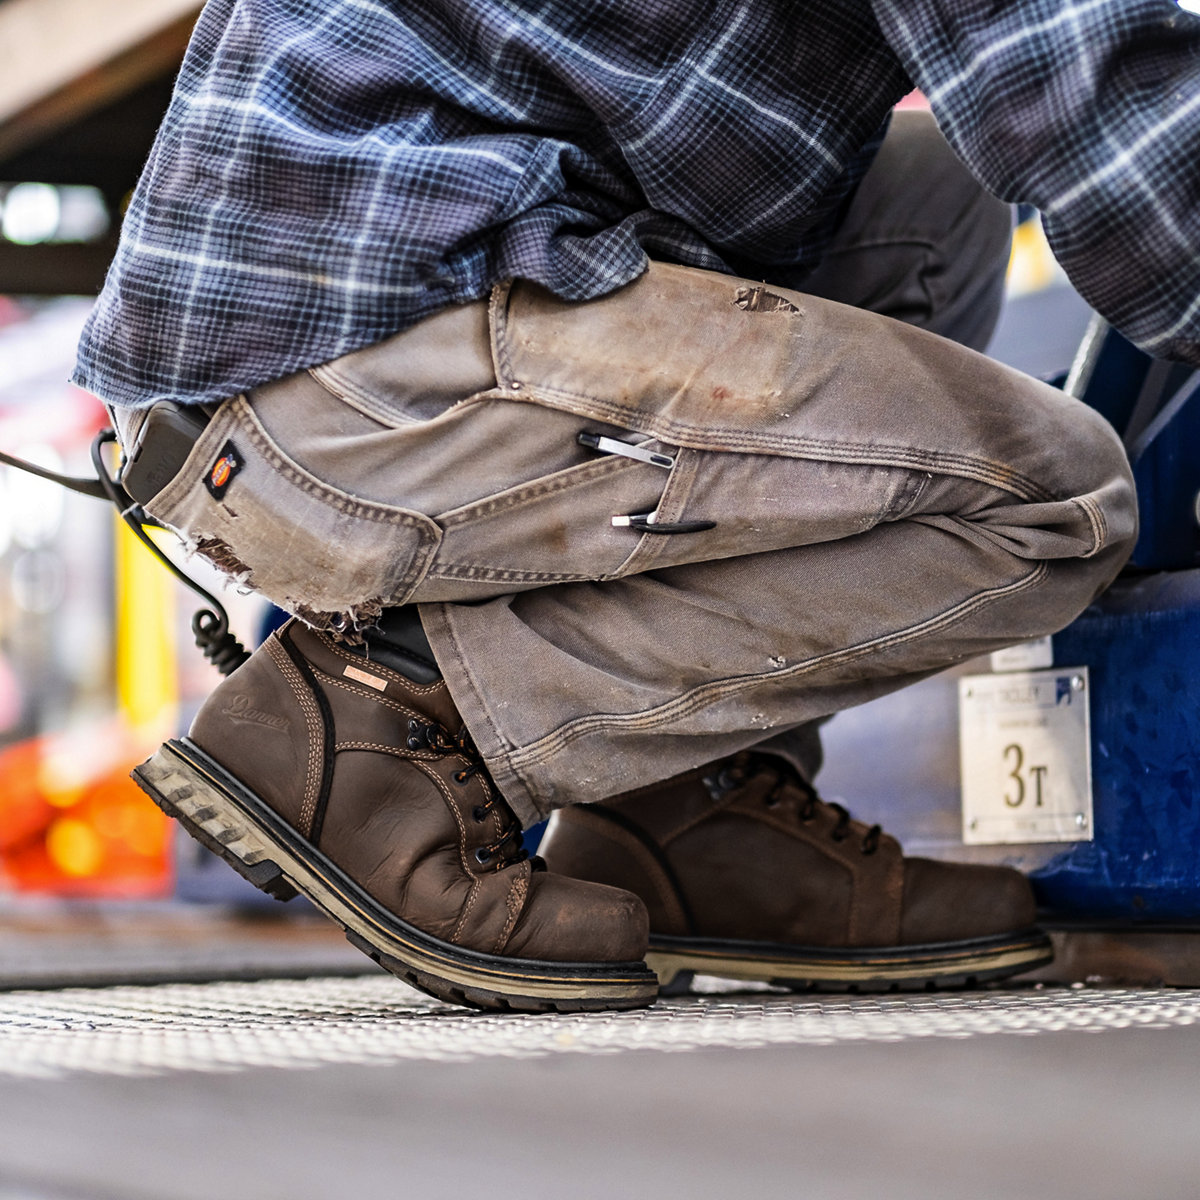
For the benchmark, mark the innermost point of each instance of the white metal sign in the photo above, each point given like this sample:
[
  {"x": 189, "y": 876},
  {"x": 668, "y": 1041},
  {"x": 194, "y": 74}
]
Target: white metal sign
[
  {"x": 1025, "y": 747},
  {"x": 1024, "y": 656}
]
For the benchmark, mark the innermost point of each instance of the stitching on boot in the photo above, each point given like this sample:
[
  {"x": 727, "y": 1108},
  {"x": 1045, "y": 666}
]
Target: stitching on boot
[
  {"x": 316, "y": 732},
  {"x": 729, "y": 800},
  {"x": 420, "y": 689},
  {"x": 373, "y": 696},
  {"x": 384, "y": 748},
  {"x": 328, "y": 731},
  {"x": 515, "y": 900},
  {"x": 473, "y": 895},
  {"x": 688, "y": 825}
]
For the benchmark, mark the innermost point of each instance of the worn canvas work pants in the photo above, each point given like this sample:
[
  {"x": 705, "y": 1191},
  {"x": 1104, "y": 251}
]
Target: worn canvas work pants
[{"x": 838, "y": 502}]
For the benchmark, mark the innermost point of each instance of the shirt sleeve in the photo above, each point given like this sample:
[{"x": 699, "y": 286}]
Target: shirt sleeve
[{"x": 1089, "y": 110}]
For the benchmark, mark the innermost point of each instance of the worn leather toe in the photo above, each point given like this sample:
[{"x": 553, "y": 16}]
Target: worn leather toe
[
  {"x": 570, "y": 920},
  {"x": 946, "y": 901}
]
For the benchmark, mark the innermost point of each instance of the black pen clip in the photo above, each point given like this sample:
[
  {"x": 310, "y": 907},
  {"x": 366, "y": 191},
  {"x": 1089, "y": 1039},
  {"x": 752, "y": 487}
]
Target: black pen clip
[{"x": 645, "y": 523}]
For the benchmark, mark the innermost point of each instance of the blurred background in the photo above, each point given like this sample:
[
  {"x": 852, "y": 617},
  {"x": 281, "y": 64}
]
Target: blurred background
[{"x": 96, "y": 664}]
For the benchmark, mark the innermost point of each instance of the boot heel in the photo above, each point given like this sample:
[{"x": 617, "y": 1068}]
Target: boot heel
[{"x": 211, "y": 818}]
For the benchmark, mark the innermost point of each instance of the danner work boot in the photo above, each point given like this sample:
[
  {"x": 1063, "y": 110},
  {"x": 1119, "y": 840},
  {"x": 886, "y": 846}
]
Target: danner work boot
[
  {"x": 747, "y": 874},
  {"x": 313, "y": 768}
]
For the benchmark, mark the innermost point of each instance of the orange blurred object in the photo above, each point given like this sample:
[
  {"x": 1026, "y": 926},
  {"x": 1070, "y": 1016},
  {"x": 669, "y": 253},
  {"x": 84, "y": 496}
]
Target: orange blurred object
[{"x": 72, "y": 822}]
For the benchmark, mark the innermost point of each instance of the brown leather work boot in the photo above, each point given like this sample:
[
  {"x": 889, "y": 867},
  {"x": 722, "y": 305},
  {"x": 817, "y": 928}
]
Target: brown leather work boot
[
  {"x": 747, "y": 874},
  {"x": 313, "y": 768}
]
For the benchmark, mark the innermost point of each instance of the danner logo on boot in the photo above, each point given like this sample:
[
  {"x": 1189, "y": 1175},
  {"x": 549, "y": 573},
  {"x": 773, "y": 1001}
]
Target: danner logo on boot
[{"x": 239, "y": 709}]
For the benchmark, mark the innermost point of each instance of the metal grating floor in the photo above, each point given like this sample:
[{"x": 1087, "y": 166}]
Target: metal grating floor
[{"x": 223, "y": 1027}]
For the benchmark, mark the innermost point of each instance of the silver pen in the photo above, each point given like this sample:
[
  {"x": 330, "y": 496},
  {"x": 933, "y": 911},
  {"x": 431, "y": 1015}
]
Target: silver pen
[{"x": 607, "y": 445}]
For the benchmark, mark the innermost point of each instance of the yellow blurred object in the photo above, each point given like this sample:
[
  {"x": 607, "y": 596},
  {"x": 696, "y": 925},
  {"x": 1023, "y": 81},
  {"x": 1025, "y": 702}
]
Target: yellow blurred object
[
  {"x": 1032, "y": 266},
  {"x": 72, "y": 822},
  {"x": 74, "y": 847},
  {"x": 147, "y": 681}
]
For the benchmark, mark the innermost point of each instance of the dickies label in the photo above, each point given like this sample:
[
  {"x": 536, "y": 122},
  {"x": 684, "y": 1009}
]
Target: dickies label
[{"x": 220, "y": 474}]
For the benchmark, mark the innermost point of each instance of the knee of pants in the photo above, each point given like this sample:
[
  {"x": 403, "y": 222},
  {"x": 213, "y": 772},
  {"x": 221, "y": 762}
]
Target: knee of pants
[{"x": 1109, "y": 493}]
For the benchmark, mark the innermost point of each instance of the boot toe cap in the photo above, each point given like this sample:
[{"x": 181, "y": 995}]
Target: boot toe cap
[
  {"x": 946, "y": 902},
  {"x": 570, "y": 920}
]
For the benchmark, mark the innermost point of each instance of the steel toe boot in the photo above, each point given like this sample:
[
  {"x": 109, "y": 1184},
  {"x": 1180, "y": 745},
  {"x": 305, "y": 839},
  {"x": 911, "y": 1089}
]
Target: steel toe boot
[
  {"x": 315, "y": 768},
  {"x": 748, "y": 874}
]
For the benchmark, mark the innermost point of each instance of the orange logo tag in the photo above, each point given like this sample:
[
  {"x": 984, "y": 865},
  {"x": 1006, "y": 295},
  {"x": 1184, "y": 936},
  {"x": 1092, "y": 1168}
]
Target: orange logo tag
[{"x": 220, "y": 474}]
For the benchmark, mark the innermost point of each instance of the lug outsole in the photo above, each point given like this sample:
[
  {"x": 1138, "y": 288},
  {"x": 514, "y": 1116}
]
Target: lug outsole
[{"x": 186, "y": 791}]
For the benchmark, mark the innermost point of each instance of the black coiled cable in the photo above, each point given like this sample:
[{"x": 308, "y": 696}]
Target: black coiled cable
[
  {"x": 220, "y": 647},
  {"x": 210, "y": 626}
]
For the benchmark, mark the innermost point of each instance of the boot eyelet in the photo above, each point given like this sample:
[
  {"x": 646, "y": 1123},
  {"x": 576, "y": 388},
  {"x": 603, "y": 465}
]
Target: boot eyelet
[
  {"x": 771, "y": 801},
  {"x": 414, "y": 743},
  {"x": 479, "y": 814},
  {"x": 483, "y": 856},
  {"x": 838, "y": 837}
]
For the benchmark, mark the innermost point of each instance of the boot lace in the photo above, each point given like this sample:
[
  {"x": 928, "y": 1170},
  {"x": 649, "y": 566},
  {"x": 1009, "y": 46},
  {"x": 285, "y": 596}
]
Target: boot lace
[
  {"x": 507, "y": 849},
  {"x": 741, "y": 770}
]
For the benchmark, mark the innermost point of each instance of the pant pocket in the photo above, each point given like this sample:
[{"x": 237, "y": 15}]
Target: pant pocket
[
  {"x": 557, "y": 528},
  {"x": 314, "y": 550}
]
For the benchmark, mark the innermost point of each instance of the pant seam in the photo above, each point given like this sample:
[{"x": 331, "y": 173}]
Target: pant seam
[
  {"x": 1098, "y": 522},
  {"x": 919, "y": 481},
  {"x": 498, "y": 321},
  {"x": 522, "y": 494},
  {"x": 714, "y": 439},
  {"x": 485, "y": 574},
  {"x": 685, "y": 434},
  {"x": 545, "y": 747}
]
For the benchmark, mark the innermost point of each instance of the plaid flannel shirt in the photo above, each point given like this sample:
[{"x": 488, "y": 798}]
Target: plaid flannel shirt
[{"x": 331, "y": 171}]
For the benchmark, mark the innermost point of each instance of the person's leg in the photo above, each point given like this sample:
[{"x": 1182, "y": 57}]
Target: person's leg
[
  {"x": 921, "y": 242},
  {"x": 867, "y": 503},
  {"x": 344, "y": 772},
  {"x": 885, "y": 503}
]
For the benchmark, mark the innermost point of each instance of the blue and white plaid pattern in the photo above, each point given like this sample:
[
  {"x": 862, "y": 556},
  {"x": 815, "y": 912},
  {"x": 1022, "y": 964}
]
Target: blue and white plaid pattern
[
  {"x": 330, "y": 171},
  {"x": 1089, "y": 110}
]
